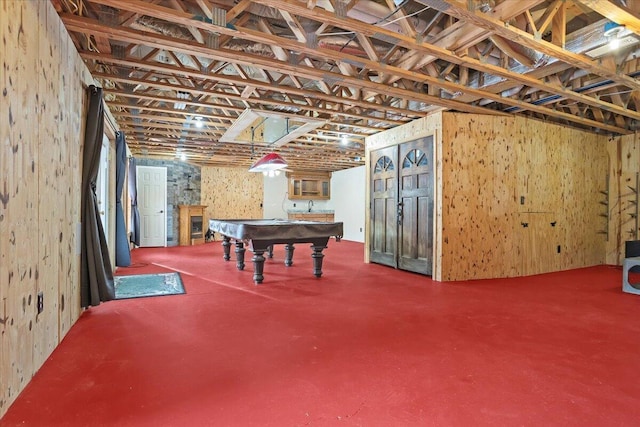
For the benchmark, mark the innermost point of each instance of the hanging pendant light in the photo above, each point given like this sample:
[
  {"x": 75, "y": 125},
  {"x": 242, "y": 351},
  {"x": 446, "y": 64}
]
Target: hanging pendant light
[{"x": 269, "y": 162}]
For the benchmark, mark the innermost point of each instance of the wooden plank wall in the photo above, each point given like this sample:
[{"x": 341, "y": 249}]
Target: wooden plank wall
[
  {"x": 231, "y": 193},
  {"x": 42, "y": 106},
  {"x": 622, "y": 202},
  {"x": 514, "y": 191}
]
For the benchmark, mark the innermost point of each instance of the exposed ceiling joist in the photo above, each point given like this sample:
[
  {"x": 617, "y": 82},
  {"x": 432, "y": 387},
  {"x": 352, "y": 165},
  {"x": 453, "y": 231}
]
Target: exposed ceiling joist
[{"x": 359, "y": 67}]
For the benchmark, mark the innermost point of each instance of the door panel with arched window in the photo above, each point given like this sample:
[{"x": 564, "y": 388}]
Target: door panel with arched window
[
  {"x": 415, "y": 233},
  {"x": 402, "y": 206},
  {"x": 383, "y": 229}
]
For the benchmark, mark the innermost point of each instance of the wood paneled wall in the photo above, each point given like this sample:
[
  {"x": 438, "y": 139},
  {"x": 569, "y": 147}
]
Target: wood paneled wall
[
  {"x": 621, "y": 196},
  {"x": 513, "y": 196},
  {"x": 520, "y": 197},
  {"x": 42, "y": 104},
  {"x": 231, "y": 193}
]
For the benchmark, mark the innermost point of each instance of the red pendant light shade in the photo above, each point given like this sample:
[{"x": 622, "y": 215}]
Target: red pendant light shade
[{"x": 269, "y": 162}]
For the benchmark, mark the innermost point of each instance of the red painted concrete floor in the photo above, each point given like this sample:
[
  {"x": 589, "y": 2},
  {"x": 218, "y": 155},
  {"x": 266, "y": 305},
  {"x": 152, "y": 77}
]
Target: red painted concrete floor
[{"x": 365, "y": 345}]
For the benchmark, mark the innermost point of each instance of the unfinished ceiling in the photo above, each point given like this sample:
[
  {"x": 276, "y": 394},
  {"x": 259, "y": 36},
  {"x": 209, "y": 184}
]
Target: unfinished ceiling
[{"x": 178, "y": 73}]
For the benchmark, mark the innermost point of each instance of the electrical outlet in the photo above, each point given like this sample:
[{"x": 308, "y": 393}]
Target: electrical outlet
[
  {"x": 294, "y": 205},
  {"x": 40, "y": 302}
]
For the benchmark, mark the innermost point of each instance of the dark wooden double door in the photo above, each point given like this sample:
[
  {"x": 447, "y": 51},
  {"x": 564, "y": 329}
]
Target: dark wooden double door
[{"x": 402, "y": 206}]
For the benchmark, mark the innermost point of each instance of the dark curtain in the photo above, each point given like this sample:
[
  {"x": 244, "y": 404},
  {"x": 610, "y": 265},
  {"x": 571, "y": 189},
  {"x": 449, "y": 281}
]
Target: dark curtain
[
  {"x": 96, "y": 275},
  {"x": 133, "y": 195},
  {"x": 123, "y": 254}
]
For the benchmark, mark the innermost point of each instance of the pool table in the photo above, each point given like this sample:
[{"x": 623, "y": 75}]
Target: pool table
[{"x": 262, "y": 234}]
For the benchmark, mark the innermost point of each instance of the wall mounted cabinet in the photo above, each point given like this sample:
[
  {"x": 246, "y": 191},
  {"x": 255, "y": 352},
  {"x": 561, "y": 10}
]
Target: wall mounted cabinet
[{"x": 309, "y": 186}]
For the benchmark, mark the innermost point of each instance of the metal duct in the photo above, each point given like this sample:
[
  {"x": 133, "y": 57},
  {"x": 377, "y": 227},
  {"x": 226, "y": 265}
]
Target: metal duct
[{"x": 579, "y": 41}]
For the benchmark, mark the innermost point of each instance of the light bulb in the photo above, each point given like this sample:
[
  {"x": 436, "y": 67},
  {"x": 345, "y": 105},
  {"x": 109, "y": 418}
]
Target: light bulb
[{"x": 614, "y": 43}]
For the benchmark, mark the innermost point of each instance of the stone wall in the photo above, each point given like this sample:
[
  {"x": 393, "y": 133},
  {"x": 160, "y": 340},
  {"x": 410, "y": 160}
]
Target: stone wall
[{"x": 183, "y": 188}]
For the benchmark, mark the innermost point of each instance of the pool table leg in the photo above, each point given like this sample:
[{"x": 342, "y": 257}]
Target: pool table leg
[
  {"x": 240, "y": 250},
  {"x": 226, "y": 245},
  {"x": 258, "y": 265},
  {"x": 288, "y": 254},
  {"x": 317, "y": 256}
]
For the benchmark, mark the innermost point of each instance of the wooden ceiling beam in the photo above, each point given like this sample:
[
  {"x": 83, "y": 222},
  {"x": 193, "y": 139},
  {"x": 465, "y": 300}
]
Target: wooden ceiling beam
[
  {"x": 365, "y": 78},
  {"x": 237, "y": 10},
  {"x": 146, "y": 125},
  {"x": 433, "y": 82},
  {"x": 479, "y": 65},
  {"x": 615, "y": 13},
  {"x": 401, "y": 18},
  {"x": 196, "y": 33},
  {"x": 174, "y": 111},
  {"x": 546, "y": 19},
  {"x": 90, "y": 26},
  {"x": 459, "y": 10},
  {"x": 559, "y": 27},
  {"x": 254, "y": 83}
]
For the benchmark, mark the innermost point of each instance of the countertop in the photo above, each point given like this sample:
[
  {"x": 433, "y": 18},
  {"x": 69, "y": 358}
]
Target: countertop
[{"x": 313, "y": 211}]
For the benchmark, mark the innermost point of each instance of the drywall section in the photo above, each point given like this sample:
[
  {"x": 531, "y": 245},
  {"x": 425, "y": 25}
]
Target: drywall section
[
  {"x": 427, "y": 126},
  {"x": 519, "y": 197},
  {"x": 348, "y": 198},
  {"x": 274, "y": 197},
  {"x": 620, "y": 198},
  {"x": 231, "y": 193},
  {"x": 42, "y": 115}
]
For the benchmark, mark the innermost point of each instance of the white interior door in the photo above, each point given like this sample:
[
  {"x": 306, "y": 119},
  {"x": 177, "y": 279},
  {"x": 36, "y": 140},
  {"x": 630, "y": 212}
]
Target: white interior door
[
  {"x": 152, "y": 204},
  {"x": 102, "y": 185}
]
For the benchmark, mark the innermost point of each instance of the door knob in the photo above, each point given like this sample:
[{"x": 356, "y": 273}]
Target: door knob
[{"x": 161, "y": 212}]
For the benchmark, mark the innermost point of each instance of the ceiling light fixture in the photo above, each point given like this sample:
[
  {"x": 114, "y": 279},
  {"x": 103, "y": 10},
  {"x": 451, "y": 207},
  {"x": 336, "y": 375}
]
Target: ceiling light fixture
[
  {"x": 269, "y": 163},
  {"x": 613, "y": 33},
  {"x": 271, "y": 174},
  {"x": 199, "y": 123},
  {"x": 181, "y": 105}
]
